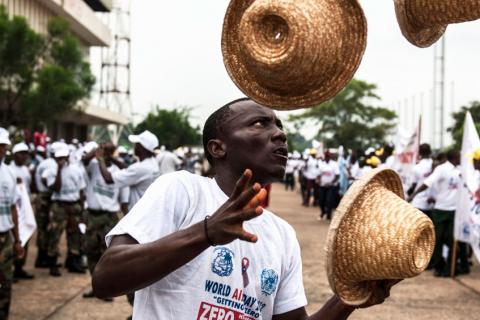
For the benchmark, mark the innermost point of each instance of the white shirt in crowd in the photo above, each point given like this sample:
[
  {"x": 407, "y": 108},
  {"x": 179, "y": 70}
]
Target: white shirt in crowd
[
  {"x": 421, "y": 171},
  {"x": 22, "y": 173},
  {"x": 139, "y": 176},
  {"x": 311, "y": 169},
  {"x": 73, "y": 181},
  {"x": 168, "y": 162},
  {"x": 355, "y": 171},
  {"x": 446, "y": 181},
  {"x": 291, "y": 166},
  {"x": 239, "y": 280},
  {"x": 328, "y": 171},
  {"x": 8, "y": 196},
  {"x": 45, "y": 165},
  {"x": 101, "y": 195}
]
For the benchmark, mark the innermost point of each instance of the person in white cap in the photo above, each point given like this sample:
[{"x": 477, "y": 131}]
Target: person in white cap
[
  {"x": 23, "y": 176},
  {"x": 140, "y": 175},
  {"x": 104, "y": 202},
  {"x": 8, "y": 226},
  {"x": 42, "y": 206},
  {"x": 68, "y": 183}
]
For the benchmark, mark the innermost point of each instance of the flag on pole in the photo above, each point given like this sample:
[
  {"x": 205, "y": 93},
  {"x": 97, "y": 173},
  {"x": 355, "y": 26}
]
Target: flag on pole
[
  {"x": 26, "y": 219},
  {"x": 406, "y": 154},
  {"x": 467, "y": 216}
]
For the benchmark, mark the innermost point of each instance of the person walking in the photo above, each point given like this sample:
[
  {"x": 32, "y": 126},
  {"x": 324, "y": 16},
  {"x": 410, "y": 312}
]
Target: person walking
[{"x": 328, "y": 181}]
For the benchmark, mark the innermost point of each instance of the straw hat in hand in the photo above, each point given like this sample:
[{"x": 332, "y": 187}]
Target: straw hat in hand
[
  {"x": 423, "y": 22},
  {"x": 289, "y": 54},
  {"x": 376, "y": 235}
]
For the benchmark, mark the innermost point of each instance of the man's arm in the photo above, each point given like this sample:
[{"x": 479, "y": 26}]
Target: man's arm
[
  {"x": 335, "y": 309},
  {"x": 19, "y": 251},
  {"x": 128, "y": 266},
  {"x": 422, "y": 188},
  {"x": 57, "y": 185}
]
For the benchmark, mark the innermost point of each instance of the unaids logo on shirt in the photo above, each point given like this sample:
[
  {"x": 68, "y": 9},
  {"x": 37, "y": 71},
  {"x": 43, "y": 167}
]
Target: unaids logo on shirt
[
  {"x": 222, "y": 264},
  {"x": 268, "y": 281}
]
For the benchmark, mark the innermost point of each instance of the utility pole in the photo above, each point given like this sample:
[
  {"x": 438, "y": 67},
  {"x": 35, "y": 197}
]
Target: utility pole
[{"x": 439, "y": 94}]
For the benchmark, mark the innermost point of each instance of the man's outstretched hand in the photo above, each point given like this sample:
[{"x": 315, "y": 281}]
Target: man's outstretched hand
[
  {"x": 226, "y": 224},
  {"x": 380, "y": 292}
]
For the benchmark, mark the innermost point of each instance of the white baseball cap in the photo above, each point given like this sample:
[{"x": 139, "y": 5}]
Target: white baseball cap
[
  {"x": 60, "y": 150},
  {"x": 90, "y": 146},
  {"x": 40, "y": 148},
  {"x": 147, "y": 139},
  {"x": 4, "y": 137},
  {"x": 19, "y": 147},
  {"x": 122, "y": 149}
]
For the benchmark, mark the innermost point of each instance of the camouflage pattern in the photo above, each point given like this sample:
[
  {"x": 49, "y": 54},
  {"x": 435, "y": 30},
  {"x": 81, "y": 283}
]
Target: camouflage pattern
[
  {"x": 99, "y": 224},
  {"x": 42, "y": 209},
  {"x": 6, "y": 273},
  {"x": 64, "y": 217}
]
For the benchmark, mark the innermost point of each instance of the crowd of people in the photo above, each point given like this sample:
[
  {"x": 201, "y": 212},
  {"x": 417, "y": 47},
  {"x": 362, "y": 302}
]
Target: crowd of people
[
  {"x": 433, "y": 187},
  {"x": 82, "y": 189}
]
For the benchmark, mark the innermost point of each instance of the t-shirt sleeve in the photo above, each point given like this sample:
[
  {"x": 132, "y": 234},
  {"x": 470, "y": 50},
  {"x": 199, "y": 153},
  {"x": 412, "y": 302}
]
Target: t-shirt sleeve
[
  {"x": 433, "y": 178},
  {"x": 128, "y": 177},
  {"x": 291, "y": 294},
  {"x": 50, "y": 175},
  {"x": 124, "y": 195},
  {"x": 157, "y": 214}
]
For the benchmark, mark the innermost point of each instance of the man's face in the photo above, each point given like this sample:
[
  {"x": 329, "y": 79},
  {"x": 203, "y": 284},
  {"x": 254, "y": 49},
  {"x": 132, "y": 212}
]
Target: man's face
[
  {"x": 20, "y": 158},
  {"x": 3, "y": 151},
  {"x": 254, "y": 139}
]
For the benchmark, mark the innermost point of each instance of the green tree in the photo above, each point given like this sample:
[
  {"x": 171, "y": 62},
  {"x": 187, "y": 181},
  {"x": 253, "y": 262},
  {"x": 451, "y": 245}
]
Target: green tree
[
  {"x": 456, "y": 130},
  {"x": 172, "y": 127},
  {"x": 350, "y": 119},
  {"x": 41, "y": 77},
  {"x": 20, "y": 49},
  {"x": 63, "y": 79}
]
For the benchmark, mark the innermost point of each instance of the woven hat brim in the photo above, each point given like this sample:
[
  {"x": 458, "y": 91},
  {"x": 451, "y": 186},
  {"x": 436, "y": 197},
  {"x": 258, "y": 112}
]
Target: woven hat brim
[
  {"x": 390, "y": 180},
  {"x": 422, "y": 37},
  {"x": 353, "y": 48}
]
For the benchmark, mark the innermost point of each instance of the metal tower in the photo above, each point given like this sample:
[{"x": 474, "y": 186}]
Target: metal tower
[
  {"x": 438, "y": 115},
  {"x": 114, "y": 78}
]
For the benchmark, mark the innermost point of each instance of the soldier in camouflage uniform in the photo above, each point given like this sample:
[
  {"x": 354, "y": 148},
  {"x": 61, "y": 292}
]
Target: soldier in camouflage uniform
[
  {"x": 68, "y": 183},
  {"x": 8, "y": 227},
  {"x": 42, "y": 209},
  {"x": 104, "y": 203}
]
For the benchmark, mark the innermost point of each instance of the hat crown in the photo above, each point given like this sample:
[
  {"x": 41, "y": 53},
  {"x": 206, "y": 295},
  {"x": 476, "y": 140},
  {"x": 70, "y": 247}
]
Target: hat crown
[
  {"x": 297, "y": 38},
  {"x": 442, "y": 12},
  {"x": 383, "y": 237}
]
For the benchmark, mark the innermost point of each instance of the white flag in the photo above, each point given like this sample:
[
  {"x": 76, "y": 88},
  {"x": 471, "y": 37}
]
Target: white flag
[
  {"x": 406, "y": 154},
  {"x": 467, "y": 216},
  {"x": 26, "y": 219}
]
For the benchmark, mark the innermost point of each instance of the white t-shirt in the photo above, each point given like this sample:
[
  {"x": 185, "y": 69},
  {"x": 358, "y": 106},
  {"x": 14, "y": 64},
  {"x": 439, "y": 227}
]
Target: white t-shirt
[
  {"x": 311, "y": 169},
  {"x": 420, "y": 172},
  {"x": 43, "y": 166},
  {"x": 73, "y": 180},
  {"x": 8, "y": 196},
  {"x": 328, "y": 171},
  {"x": 168, "y": 162},
  {"x": 101, "y": 195},
  {"x": 22, "y": 173},
  {"x": 355, "y": 171},
  {"x": 291, "y": 165},
  {"x": 139, "y": 176},
  {"x": 212, "y": 285},
  {"x": 446, "y": 181}
]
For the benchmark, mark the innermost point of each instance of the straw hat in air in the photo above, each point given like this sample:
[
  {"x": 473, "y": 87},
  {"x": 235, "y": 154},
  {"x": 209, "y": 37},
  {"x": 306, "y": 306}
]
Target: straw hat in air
[
  {"x": 289, "y": 54},
  {"x": 423, "y": 22},
  {"x": 376, "y": 235}
]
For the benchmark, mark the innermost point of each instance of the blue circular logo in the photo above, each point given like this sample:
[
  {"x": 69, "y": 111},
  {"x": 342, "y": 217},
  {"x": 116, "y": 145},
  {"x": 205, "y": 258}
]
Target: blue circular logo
[
  {"x": 269, "y": 281},
  {"x": 222, "y": 264}
]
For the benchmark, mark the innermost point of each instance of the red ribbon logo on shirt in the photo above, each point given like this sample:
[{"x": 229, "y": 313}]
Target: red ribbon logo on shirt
[{"x": 245, "y": 265}]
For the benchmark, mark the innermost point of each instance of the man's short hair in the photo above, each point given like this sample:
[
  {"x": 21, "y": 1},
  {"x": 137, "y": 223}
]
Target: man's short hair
[
  {"x": 452, "y": 155},
  {"x": 214, "y": 124},
  {"x": 424, "y": 150}
]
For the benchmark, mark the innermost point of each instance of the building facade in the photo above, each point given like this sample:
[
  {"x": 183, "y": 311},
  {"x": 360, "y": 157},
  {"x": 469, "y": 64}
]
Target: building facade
[{"x": 92, "y": 32}]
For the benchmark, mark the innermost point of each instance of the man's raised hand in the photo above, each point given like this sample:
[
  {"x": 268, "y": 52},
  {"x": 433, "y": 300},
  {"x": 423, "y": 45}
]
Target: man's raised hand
[{"x": 226, "y": 224}]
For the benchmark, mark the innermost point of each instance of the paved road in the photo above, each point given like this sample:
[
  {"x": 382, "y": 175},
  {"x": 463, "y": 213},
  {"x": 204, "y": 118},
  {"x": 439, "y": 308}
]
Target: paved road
[{"x": 424, "y": 297}]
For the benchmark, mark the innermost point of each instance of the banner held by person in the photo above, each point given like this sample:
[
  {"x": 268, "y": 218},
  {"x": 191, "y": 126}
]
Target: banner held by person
[{"x": 26, "y": 219}]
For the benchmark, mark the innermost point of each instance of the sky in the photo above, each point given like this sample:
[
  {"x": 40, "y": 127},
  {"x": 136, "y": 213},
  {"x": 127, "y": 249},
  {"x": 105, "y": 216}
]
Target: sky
[{"x": 176, "y": 61}]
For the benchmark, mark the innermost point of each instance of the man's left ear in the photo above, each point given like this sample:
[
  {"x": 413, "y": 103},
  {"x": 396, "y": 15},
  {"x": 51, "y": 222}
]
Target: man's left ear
[{"x": 217, "y": 148}]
